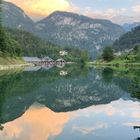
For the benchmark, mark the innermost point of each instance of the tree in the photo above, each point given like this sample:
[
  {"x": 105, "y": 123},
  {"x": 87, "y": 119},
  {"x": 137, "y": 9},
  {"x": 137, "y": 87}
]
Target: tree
[
  {"x": 108, "y": 54},
  {"x": 136, "y": 48},
  {"x": 84, "y": 57},
  {"x": 107, "y": 75}
]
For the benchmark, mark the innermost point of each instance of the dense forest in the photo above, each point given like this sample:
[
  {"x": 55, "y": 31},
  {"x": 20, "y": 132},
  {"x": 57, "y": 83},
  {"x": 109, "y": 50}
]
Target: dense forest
[
  {"x": 128, "y": 40},
  {"x": 32, "y": 45}
]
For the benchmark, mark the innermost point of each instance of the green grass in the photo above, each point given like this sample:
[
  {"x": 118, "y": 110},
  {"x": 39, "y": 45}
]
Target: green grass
[
  {"x": 11, "y": 61},
  {"x": 116, "y": 62}
]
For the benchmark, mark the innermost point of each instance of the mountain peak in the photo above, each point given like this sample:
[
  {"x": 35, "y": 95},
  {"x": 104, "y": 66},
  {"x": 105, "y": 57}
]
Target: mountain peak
[
  {"x": 70, "y": 29},
  {"x": 75, "y": 15},
  {"x": 15, "y": 17}
]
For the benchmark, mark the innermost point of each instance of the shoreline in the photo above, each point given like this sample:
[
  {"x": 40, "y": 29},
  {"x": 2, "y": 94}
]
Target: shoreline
[
  {"x": 114, "y": 64},
  {"x": 13, "y": 66}
]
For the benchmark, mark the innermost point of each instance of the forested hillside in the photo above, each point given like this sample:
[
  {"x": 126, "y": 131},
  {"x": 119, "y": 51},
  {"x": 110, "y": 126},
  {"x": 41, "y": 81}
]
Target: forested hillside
[
  {"x": 128, "y": 40},
  {"x": 32, "y": 45},
  {"x": 128, "y": 27},
  {"x": 8, "y": 46}
]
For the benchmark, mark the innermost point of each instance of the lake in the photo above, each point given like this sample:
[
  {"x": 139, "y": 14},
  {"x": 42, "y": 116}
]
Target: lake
[{"x": 73, "y": 103}]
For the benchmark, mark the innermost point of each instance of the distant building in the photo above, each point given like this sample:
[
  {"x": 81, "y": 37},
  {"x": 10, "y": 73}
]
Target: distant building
[
  {"x": 61, "y": 60},
  {"x": 60, "y": 63},
  {"x": 63, "y": 53}
]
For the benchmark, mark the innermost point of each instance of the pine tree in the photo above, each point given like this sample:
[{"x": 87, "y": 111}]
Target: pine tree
[{"x": 108, "y": 54}]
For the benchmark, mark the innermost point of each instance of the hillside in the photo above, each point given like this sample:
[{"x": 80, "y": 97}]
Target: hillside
[
  {"x": 69, "y": 29},
  {"x": 14, "y": 17},
  {"x": 127, "y": 41},
  {"x": 32, "y": 45},
  {"x": 128, "y": 27},
  {"x": 8, "y": 46}
]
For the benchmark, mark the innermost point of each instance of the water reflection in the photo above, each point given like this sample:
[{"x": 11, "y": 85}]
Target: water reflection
[
  {"x": 103, "y": 122},
  {"x": 107, "y": 75},
  {"x": 38, "y": 123},
  {"x": 112, "y": 94}
]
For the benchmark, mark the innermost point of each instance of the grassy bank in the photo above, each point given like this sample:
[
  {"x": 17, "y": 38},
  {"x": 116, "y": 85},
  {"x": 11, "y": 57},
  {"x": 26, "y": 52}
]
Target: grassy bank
[
  {"x": 11, "y": 61},
  {"x": 7, "y": 63},
  {"x": 113, "y": 63}
]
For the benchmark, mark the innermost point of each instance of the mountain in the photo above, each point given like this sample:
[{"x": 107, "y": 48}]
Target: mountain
[
  {"x": 14, "y": 17},
  {"x": 128, "y": 27},
  {"x": 65, "y": 29},
  {"x": 69, "y": 29},
  {"x": 127, "y": 41}
]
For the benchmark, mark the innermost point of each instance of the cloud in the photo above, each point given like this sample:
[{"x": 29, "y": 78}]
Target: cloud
[
  {"x": 42, "y": 8},
  {"x": 136, "y": 8},
  {"x": 89, "y": 130},
  {"x": 115, "y": 108},
  {"x": 136, "y": 114},
  {"x": 109, "y": 14}
]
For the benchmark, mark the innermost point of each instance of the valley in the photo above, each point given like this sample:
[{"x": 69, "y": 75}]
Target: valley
[{"x": 69, "y": 70}]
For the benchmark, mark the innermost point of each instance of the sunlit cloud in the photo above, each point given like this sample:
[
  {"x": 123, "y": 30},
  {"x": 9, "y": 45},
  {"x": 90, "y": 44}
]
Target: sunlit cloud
[
  {"x": 37, "y": 123},
  {"x": 136, "y": 114},
  {"x": 42, "y": 8}
]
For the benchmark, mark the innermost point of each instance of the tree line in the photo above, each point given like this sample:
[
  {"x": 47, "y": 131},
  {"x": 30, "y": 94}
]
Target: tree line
[{"x": 132, "y": 56}]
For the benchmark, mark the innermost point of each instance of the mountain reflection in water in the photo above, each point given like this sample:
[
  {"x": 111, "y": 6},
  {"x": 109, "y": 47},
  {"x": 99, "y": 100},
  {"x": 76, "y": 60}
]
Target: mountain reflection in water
[{"x": 108, "y": 101}]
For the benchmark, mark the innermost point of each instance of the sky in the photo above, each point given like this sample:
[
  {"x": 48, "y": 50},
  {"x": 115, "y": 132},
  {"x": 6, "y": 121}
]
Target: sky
[{"x": 118, "y": 11}]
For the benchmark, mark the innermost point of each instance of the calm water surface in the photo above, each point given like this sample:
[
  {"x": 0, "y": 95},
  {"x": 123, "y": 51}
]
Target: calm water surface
[{"x": 70, "y": 103}]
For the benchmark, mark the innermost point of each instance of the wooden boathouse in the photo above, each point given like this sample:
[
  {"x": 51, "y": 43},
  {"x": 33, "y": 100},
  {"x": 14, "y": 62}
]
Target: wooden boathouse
[{"x": 44, "y": 61}]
